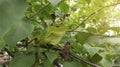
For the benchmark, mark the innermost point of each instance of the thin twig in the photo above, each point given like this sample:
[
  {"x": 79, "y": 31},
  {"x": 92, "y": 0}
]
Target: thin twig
[
  {"x": 31, "y": 40},
  {"x": 96, "y": 11},
  {"x": 94, "y": 34},
  {"x": 40, "y": 10}
]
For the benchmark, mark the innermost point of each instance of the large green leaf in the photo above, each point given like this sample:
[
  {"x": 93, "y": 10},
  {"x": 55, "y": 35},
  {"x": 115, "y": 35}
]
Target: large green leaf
[
  {"x": 22, "y": 60},
  {"x": 11, "y": 11},
  {"x": 72, "y": 64},
  {"x": 91, "y": 50},
  {"x": 20, "y": 31},
  {"x": 2, "y": 43}
]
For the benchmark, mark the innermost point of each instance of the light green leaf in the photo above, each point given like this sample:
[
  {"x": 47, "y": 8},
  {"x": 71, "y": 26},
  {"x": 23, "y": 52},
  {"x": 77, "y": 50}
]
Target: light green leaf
[
  {"x": 105, "y": 60},
  {"x": 72, "y": 64},
  {"x": 22, "y": 30},
  {"x": 91, "y": 29},
  {"x": 1, "y": 66},
  {"x": 88, "y": 1},
  {"x": 56, "y": 34},
  {"x": 54, "y": 2},
  {"x": 11, "y": 11},
  {"x": 64, "y": 7},
  {"x": 91, "y": 50},
  {"x": 52, "y": 35},
  {"x": 106, "y": 63},
  {"x": 82, "y": 1},
  {"x": 22, "y": 60}
]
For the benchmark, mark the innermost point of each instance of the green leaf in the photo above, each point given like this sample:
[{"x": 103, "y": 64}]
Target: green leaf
[
  {"x": 11, "y": 11},
  {"x": 64, "y": 7},
  {"x": 46, "y": 12},
  {"x": 1, "y": 66},
  {"x": 54, "y": 2},
  {"x": 105, "y": 60},
  {"x": 22, "y": 30},
  {"x": 46, "y": 63},
  {"x": 52, "y": 35},
  {"x": 88, "y": 1},
  {"x": 117, "y": 61},
  {"x": 91, "y": 50},
  {"x": 72, "y": 64},
  {"x": 33, "y": 1},
  {"x": 82, "y": 37},
  {"x": 52, "y": 56},
  {"x": 22, "y": 60},
  {"x": 96, "y": 58},
  {"x": 56, "y": 34},
  {"x": 106, "y": 63},
  {"x": 82, "y": 1},
  {"x": 91, "y": 29},
  {"x": 2, "y": 43}
]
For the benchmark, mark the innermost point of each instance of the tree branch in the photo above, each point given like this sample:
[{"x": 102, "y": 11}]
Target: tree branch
[
  {"x": 83, "y": 60},
  {"x": 76, "y": 57}
]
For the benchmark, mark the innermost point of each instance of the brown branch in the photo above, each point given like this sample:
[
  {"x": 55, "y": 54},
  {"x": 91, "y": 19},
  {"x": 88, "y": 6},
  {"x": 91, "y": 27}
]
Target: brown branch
[{"x": 83, "y": 60}]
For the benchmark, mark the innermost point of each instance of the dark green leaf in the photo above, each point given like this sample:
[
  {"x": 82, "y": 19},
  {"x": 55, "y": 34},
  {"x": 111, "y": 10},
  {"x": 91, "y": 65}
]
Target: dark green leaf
[
  {"x": 46, "y": 63},
  {"x": 52, "y": 56},
  {"x": 82, "y": 37},
  {"x": 22, "y": 60},
  {"x": 72, "y": 64},
  {"x": 96, "y": 58},
  {"x": 117, "y": 61}
]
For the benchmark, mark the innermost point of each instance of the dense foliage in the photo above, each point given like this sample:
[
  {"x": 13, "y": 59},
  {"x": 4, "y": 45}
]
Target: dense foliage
[{"x": 59, "y": 33}]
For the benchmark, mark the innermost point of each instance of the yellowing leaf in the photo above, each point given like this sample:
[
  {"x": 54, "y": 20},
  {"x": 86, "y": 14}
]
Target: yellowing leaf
[
  {"x": 56, "y": 34},
  {"x": 52, "y": 35}
]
